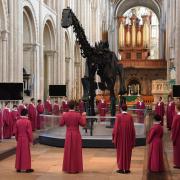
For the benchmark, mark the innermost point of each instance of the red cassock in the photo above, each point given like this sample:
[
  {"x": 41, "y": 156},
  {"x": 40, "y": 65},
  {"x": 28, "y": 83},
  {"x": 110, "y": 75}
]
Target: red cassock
[
  {"x": 21, "y": 107},
  {"x": 124, "y": 139},
  {"x": 40, "y": 110},
  {"x": 102, "y": 108},
  {"x": 48, "y": 106},
  {"x": 81, "y": 107},
  {"x": 56, "y": 109},
  {"x": 72, "y": 162},
  {"x": 23, "y": 133},
  {"x": 15, "y": 116},
  {"x": 32, "y": 115},
  {"x": 64, "y": 107},
  {"x": 175, "y": 130},
  {"x": 1, "y": 124},
  {"x": 159, "y": 109},
  {"x": 170, "y": 112},
  {"x": 140, "y": 112},
  {"x": 155, "y": 160},
  {"x": 7, "y": 123}
]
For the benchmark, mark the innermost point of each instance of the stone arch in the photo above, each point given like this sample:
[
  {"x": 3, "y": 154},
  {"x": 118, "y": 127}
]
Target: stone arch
[
  {"x": 3, "y": 15},
  {"x": 29, "y": 44},
  {"x": 49, "y": 29},
  {"x": 28, "y": 26},
  {"x": 29, "y": 9},
  {"x": 49, "y": 52},
  {"x": 122, "y": 6}
]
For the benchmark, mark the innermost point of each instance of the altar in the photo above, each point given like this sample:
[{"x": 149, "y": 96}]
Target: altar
[{"x": 131, "y": 100}]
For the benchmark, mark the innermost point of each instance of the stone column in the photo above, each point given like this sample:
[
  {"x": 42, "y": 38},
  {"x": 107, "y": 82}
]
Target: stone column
[
  {"x": 4, "y": 35},
  {"x": 77, "y": 80},
  {"x": 11, "y": 41},
  {"x": 51, "y": 66},
  {"x": 177, "y": 42},
  {"x": 48, "y": 63},
  {"x": 93, "y": 20},
  {"x": 54, "y": 68},
  {"x": 1, "y": 67},
  {"x": 111, "y": 31},
  {"x": 67, "y": 76},
  {"x": 35, "y": 73},
  {"x": 40, "y": 65}
]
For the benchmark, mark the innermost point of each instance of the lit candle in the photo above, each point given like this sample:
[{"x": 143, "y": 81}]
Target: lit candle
[
  {"x": 129, "y": 90},
  {"x": 138, "y": 89}
]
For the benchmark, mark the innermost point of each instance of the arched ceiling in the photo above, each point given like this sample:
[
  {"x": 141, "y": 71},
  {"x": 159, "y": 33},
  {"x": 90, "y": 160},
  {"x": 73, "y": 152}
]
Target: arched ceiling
[
  {"x": 48, "y": 35},
  {"x": 121, "y": 6},
  {"x": 29, "y": 32}
]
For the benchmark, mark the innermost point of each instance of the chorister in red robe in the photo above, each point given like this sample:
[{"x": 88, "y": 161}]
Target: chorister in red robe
[
  {"x": 64, "y": 106},
  {"x": 81, "y": 106},
  {"x": 124, "y": 139},
  {"x": 1, "y": 125},
  {"x": 170, "y": 112},
  {"x": 40, "y": 110},
  {"x": 140, "y": 106},
  {"x": 7, "y": 122},
  {"x": 56, "y": 108},
  {"x": 72, "y": 162},
  {"x": 159, "y": 109},
  {"x": 175, "y": 130},
  {"x": 21, "y": 107},
  {"x": 155, "y": 160},
  {"x": 48, "y": 106},
  {"x": 102, "y": 108},
  {"x": 15, "y": 116},
  {"x": 23, "y": 134},
  {"x": 32, "y": 114},
  {"x": 122, "y": 102}
]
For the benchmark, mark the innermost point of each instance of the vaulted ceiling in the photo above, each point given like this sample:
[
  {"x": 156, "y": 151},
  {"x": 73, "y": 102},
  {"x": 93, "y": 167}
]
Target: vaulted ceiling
[{"x": 121, "y": 6}]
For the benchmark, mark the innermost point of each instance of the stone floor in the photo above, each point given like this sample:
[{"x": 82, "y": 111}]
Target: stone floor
[
  {"x": 98, "y": 164},
  {"x": 7, "y": 144}
]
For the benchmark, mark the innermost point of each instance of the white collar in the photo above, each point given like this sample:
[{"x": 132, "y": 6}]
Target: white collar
[
  {"x": 124, "y": 112},
  {"x": 156, "y": 122},
  {"x": 178, "y": 113},
  {"x": 24, "y": 117}
]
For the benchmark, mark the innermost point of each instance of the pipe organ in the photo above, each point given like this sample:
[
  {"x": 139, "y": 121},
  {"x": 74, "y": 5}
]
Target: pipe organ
[{"x": 133, "y": 38}]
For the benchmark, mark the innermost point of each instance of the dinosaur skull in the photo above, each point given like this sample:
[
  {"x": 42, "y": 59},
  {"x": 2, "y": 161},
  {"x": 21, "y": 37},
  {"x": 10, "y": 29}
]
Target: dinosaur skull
[{"x": 66, "y": 20}]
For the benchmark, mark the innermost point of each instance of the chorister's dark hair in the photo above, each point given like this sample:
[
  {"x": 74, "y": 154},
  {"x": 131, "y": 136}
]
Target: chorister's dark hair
[
  {"x": 124, "y": 107},
  {"x": 6, "y": 103},
  {"x": 71, "y": 104},
  {"x": 39, "y": 101},
  {"x": 24, "y": 112},
  {"x": 14, "y": 106},
  {"x": 157, "y": 117},
  {"x": 32, "y": 99}
]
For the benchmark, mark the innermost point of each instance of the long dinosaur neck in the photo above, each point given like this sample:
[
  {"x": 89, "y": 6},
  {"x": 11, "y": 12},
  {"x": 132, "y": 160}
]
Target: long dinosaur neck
[{"x": 86, "y": 49}]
